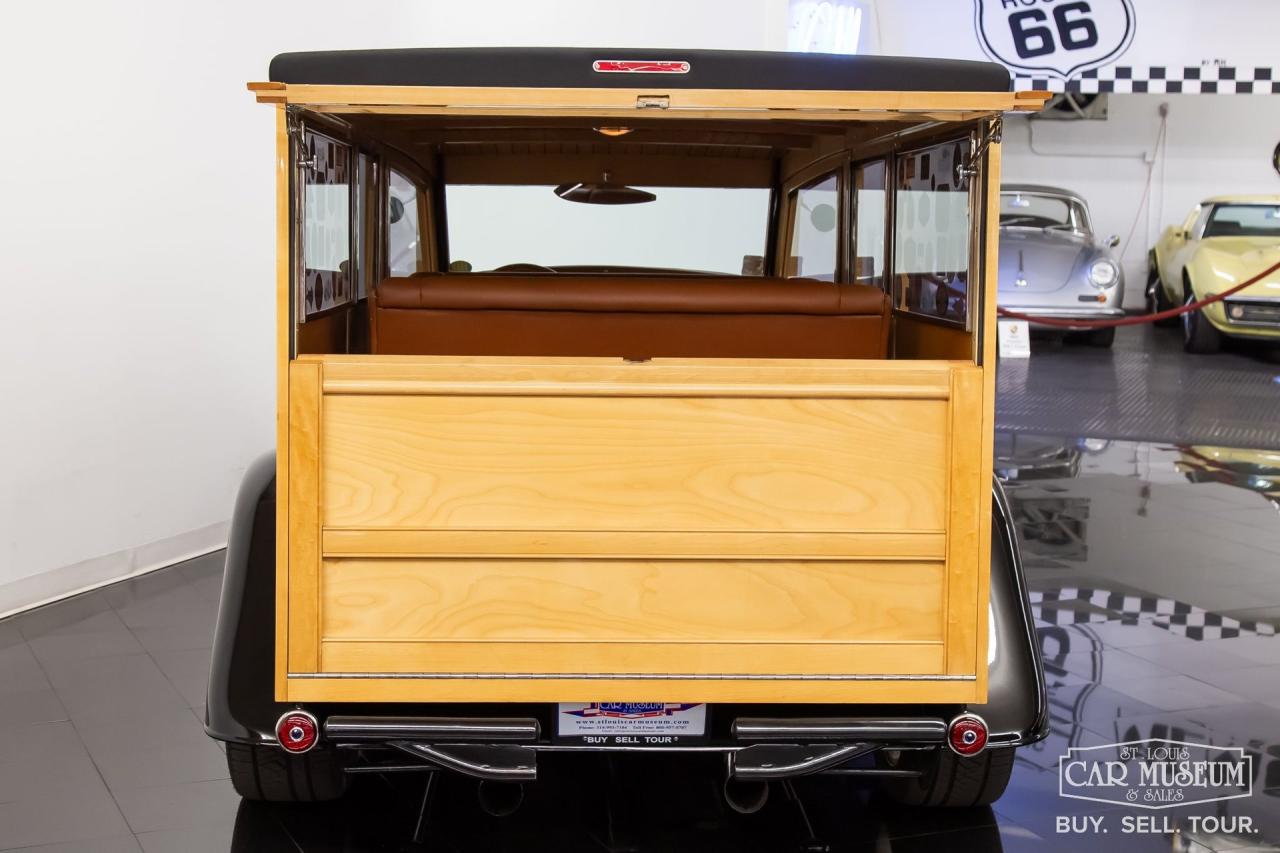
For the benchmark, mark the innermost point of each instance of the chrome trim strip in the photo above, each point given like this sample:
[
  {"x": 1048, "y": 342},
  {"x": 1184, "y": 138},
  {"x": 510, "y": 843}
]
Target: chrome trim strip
[
  {"x": 840, "y": 729},
  {"x": 625, "y": 676},
  {"x": 507, "y": 763},
  {"x": 434, "y": 728},
  {"x": 768, "y": 761}
]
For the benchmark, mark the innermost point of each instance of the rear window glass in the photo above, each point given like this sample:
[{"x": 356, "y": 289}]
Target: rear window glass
[{"x": 700, "y": 229}]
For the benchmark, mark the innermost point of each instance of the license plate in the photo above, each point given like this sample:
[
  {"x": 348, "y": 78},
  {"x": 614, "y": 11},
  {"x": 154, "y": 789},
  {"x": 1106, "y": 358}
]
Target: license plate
[{"x": 654, "y": 724}]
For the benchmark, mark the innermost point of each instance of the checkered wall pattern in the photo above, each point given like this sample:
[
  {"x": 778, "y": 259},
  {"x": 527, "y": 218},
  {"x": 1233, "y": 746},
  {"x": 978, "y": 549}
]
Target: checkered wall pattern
[
  {"x": 1191, "y": 80},
  {"x": 1063, "y": 607}
]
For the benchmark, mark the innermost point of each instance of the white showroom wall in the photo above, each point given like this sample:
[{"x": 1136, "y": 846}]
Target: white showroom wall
[
  {"x": 1216, "y": 144},
  {"x": 136, "y": 360}
]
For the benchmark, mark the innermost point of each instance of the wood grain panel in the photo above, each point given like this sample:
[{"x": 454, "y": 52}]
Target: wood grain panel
[
  {"x": 621, "y": 659},
  {"x": 590, "y": 601},
  {"x": 304, "y": 517},
  {"x": 968, "y": 486},
  {"x": 284, "y": 326},
  {"x": 541, "y": 544},
  {"x": 624, "y": 690},
  {"x": 522, "y": 376},
  {"x": 636, "y": 463},
  {"x": 681, "y": 101}
]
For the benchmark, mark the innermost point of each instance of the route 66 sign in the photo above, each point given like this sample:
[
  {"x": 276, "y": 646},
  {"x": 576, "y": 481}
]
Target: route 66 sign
[{"x": 1062, "y": 37}]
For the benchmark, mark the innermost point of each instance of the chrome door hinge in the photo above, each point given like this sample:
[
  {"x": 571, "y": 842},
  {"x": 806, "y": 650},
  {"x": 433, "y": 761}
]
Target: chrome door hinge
[{"x": 993, "y": 132}]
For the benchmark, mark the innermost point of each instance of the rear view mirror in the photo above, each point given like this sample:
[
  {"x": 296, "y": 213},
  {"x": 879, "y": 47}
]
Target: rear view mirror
[
  {"x": 603, "y": 192},
  {"x": 823, "y": 218},
  {"x": 395, "y": 209}
]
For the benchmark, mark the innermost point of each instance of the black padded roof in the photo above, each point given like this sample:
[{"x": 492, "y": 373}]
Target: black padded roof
[{"x": 574, "y": 68}]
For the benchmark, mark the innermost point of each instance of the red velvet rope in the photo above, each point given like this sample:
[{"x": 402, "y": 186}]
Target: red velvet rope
[{"x": 1137, "y": 321}]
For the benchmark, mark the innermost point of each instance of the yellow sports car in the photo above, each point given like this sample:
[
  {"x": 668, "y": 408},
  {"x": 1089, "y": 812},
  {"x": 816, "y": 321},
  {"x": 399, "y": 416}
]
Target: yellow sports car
[{"x": 1224, "y": 241}]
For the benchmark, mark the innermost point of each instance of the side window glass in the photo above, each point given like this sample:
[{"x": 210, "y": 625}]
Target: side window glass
[
  {"x": 815, "y": 242},
  {"x": 404, "y": 231},
  {"x": 326, "y": 237},
  {"x": 869, "y": 211},
  {"x": 931, "y": 232}
]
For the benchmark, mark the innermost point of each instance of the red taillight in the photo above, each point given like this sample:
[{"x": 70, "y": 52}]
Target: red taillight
[
  {"x": 967, "y": 735},
  {"x": 297, "y": 731}
]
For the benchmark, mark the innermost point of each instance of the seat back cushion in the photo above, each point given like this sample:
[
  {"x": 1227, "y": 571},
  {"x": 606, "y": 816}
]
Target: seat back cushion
[{"x": 629, "y": 316}]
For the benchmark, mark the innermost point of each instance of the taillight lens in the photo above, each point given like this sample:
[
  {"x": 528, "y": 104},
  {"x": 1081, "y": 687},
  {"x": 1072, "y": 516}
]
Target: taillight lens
[
  {"x": 967, "y": 735},
  {"x": 297, "y": 731}
]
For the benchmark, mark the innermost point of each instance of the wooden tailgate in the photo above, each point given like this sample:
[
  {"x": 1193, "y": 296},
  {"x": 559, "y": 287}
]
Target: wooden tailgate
[{"x": 504, "y": 529}]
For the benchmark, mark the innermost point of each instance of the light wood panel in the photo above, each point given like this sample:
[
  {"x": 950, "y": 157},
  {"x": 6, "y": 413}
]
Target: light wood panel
[
  {"x": 986, "y": 461},
  {"x": 535, "y": 660},
  {"x": 539, "y": 520},
  {"x": 588, "y": 600},
  {"x": 634, "y": 463},
  {"x": 805, "y": 104},
  {"x": 966, "y": 503},
  {"x": 284, "y": 323},
  {"x": 704, "y": 377},
  {"x": 555, "y": 544},
  {"x": 304, "y": 517},
  {"x": 346, "y": 689}
]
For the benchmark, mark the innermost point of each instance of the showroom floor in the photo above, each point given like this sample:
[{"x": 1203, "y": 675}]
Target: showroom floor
[{"x": 1155, "y": 575}]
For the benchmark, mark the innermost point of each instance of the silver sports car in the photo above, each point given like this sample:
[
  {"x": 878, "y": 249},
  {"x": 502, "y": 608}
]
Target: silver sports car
[{"x": 1051, "y": 265}]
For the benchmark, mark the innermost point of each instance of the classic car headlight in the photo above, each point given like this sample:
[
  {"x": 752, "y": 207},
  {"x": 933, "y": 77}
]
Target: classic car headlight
[{"x": 1103, "y": 273}]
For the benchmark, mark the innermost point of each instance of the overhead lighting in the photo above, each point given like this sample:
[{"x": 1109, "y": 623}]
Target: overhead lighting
[
  {"x": 825, "y": 26},
  {"x": 612, "y": 131}
]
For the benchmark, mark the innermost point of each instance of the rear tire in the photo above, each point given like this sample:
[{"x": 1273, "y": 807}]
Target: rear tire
[
  {"x": 1157, "y": 301},
  {"x": 270, "y": 774},
  {"x": 949, "y": 781},
  {"x": 1198, "y": 334},
  {"x": 1102, "y": 338}
]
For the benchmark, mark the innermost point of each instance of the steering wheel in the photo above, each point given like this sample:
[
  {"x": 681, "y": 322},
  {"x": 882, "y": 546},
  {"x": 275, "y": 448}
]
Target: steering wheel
[{"x": 523, "y": 267}]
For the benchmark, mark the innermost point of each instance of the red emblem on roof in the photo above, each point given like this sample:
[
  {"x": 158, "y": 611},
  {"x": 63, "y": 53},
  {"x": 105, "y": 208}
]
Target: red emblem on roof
[{"x": 640, "y": 66}]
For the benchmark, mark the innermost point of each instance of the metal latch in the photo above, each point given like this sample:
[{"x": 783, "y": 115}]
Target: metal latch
[
  {"x": 993, "y": 133},
  {"x": 302, "y": 156},
  {"x": 653, "y": 102}
]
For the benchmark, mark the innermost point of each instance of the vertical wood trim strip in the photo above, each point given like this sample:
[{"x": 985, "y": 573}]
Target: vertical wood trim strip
[
  {"x": 966, "y": 505},
  {"x": 987, "y": 461},
  {"x": 304, "y": 516},
  {"x": 283, "y": 283}
]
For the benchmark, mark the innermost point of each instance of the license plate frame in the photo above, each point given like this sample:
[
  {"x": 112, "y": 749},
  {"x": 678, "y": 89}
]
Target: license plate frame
[{"x": 631, "y": 725}]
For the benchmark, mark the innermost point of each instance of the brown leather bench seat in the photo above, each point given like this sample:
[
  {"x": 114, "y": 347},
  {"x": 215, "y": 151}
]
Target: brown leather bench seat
[{"x": 631, "y": 316}]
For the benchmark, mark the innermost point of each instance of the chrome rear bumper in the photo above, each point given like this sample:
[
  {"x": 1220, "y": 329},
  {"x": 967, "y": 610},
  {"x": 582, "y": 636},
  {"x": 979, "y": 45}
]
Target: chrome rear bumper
[{"x": 506, "y": 749}]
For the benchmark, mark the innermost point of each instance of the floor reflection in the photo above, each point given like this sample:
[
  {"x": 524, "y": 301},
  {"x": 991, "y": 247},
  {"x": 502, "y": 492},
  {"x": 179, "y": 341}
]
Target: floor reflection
[
  {"x": 1154, "y": 574},
  {"x": 635, "y": 803},
  {"x": 1155, "y": 583}
]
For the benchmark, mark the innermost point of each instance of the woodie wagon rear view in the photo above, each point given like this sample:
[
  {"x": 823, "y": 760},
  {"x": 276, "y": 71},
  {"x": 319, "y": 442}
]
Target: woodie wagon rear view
[{"x": 630, "y": 400}]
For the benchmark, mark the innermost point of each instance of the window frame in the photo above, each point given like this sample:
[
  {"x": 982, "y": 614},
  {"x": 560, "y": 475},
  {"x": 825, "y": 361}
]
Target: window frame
[
  {"x": 300, "y": 173},
  {"x": 887, "y": 211},
  {"x": 975, "y": 294},
  {"x": 816, "y": 173}
]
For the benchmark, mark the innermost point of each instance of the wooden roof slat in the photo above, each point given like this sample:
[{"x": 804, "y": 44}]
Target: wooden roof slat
[{"x": 683, "y": 103}]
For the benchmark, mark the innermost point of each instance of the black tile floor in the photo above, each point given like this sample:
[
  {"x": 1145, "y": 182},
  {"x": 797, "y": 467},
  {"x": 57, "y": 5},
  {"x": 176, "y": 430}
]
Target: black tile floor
[
  {"x": 1145, "y": 387},
  {"x": 1155, "y": 576}
]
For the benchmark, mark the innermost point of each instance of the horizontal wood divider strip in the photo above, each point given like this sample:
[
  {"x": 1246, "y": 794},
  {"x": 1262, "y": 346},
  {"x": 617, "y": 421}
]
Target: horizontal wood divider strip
[
  {"x": 382, "y": 689},
  {"x": 632, "y": 544},
  {"x": 795, "y": 661},
  {"x": 458, "y": 98},
  {"x": 424, "y": 387},
  {"x": 613, "y": 377}
]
